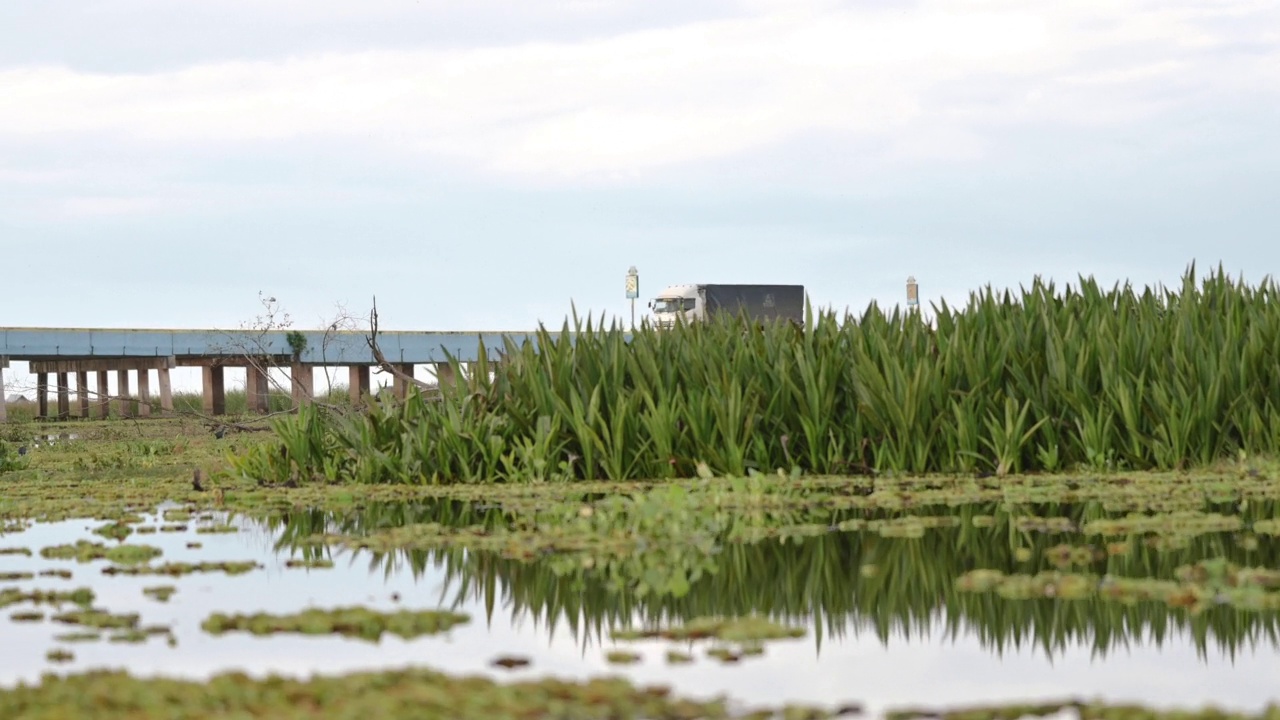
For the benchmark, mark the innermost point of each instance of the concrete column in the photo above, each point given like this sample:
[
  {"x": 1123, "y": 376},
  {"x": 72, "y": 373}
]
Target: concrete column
[
  {"x": 215, "y": 396},
  {"x": 256, "y": 389},
  {"x": 400, "y": 386},
  {"x": 166, "y": 391},
  {"x": 302, "y": 378},
  {"x": 82, "y": 392},
  {"x": 4, "y": 397},
  {"x": 42, "y": 395},
  {"x": 64, "y": 397},
  {"x": 104, "y": 395},
  {"x": 444, "y": 374},
  {"x": 144, "y": 392},
  {"x": 123, "y": 403},
  {"x": 358, "y": 383}
]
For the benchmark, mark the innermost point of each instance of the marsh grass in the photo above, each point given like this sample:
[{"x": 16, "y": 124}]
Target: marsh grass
[
  {"x": 190, "y": 403},
  {"x": 1044, "y": 381},
  {"x": 278, "y": 401}
]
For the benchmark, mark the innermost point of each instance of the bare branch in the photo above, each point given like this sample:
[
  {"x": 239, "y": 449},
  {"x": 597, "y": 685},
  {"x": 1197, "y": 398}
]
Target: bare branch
[{"x": 388, "y": 367}]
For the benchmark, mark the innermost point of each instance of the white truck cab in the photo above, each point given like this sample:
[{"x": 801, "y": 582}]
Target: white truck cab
[{"x": 675, "y": 301}]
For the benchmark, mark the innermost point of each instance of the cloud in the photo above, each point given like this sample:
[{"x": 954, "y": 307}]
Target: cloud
[{"x": 935, "y": 81}]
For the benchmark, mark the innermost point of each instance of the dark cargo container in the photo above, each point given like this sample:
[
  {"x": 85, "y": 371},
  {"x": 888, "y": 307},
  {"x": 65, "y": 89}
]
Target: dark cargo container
[{"x": 764, "y": 302}]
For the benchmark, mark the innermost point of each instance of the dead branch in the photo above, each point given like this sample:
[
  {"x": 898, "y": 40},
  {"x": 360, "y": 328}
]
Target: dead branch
[{"x": 430, "y": 391}]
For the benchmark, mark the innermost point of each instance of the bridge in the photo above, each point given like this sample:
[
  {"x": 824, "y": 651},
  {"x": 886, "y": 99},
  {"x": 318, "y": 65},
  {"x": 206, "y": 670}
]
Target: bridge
[{"x": 81, "y": 352}]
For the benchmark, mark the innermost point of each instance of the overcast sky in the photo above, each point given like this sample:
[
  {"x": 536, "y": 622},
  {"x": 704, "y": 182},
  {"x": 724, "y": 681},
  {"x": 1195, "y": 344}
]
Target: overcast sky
[{"x": 480, "y": 165}]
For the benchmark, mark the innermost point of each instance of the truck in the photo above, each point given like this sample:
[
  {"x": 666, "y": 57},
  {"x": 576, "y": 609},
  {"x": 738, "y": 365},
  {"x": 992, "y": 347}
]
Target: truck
[{"x": 700, "y": 302}]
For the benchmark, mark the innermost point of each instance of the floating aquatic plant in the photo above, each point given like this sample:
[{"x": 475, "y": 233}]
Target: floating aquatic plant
[
  {"x": 309, "y": 563},
  {"x": 78, "y": 637},
  {"x": 161, "y": 593},
  {"x": 390, "y": 695},
  {"x": 347, "y": 621},
  {"x": 116, "y": 530},
  {"x": 84, "y": 551},
  {"x": 217, "y": 529},
  {"x": 510, "y": 662},
  {"x": 176, "y": 569},
  {"x": 622, "y": 657},
  {"x": 96, "y": 618},
  {"x": 12, "y": 596}
]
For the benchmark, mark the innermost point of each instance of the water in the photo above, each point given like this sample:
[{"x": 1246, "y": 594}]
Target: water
[{"x": 898, "y": 637}]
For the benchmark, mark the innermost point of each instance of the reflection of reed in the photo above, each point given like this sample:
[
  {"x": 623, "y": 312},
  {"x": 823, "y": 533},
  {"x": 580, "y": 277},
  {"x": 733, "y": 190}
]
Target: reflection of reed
[{"x": 837, "y": 584}]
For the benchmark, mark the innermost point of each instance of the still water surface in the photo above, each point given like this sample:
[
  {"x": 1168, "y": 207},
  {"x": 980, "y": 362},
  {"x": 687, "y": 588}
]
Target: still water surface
[{"x": 902, "y": 638}]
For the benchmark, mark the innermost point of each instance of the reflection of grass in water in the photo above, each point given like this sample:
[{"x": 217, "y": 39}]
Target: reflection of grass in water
[
  {"x": 311, "y": 563},
  {"x": 741, "y": 629},
  {"x": 892, "y": 571}
]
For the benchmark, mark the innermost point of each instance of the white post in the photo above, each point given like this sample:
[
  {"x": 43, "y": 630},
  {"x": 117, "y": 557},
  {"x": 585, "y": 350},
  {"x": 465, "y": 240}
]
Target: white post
[{"x": 633, "y": 292}]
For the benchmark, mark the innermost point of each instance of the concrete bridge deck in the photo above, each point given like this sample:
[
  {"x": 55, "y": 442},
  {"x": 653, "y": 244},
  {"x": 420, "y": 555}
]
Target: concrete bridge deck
[
  {"x": 190, "y": 346},
  {"x": 64, "y": 352}
]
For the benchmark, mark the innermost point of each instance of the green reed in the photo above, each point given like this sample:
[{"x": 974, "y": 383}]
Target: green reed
[{"x": 1039, "y": 381}]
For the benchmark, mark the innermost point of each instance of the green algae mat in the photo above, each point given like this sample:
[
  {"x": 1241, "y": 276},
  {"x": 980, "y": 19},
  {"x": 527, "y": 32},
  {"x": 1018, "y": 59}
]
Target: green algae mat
[{"x": 132, "y": 590}]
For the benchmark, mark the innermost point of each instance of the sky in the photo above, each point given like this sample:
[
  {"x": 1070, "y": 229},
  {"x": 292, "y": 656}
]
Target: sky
[{"x": 489, "y": 165}]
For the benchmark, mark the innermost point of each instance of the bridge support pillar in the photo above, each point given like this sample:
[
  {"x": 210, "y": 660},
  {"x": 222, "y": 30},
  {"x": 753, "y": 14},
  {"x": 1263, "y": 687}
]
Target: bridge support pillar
[
  {"x": 358, "y": 384},
  {"x": 256, "y": 389},
  {"x": 215, "y": 396},
  {"x": 124, "y": 405},
  {"x": 301, "y": 380},
  {"x": 42, "y": 395},
  {"x": 144, "y": 392},
  {"x": 64, "y": 397},
  {"x": 445, "y": 375},
  {"x": 104, "y": 395},
  {"x": 400, "y": 385},
  {"x": 166, "y": 391},
  {"x": 82, "y": 392},
  {"x": 4, "y": 397}
]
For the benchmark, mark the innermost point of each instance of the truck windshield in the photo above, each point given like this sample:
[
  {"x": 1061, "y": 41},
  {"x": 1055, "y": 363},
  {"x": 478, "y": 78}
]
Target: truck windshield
[{"x": 670, "y": 305}]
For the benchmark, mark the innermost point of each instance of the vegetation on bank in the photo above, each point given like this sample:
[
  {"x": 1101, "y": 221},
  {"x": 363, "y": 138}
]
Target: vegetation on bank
[
  {"x": 1043, "y": 381},
  {"x": 189, "y": 403}
]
